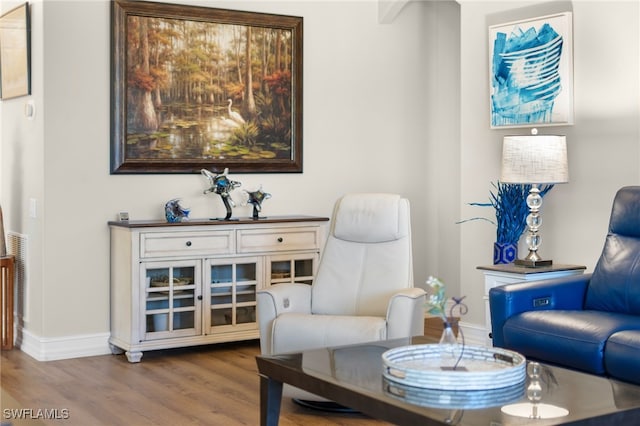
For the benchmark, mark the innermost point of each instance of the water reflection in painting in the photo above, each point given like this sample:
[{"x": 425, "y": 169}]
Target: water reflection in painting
[{"x": 204, "y": 132}]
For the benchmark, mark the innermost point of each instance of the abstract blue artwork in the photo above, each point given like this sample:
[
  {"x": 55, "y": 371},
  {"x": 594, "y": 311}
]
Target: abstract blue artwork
[{"x": 531, "y": 71}]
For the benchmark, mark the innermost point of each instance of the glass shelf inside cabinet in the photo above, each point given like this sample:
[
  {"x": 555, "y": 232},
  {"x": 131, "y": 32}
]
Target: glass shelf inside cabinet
[
  {"x": 281, "y": 270},
  {"x": 233, "y": 294},
  {"x": 245, "y": 306},
  {"x": 304, "y": 271},
  {"x": 222, "y": 285},
  {"x": 170, "y": 298},
  {"x": 221, "y": 274},
  {"x": 245, "y": 314},
  {"x": 246, "y": 272},
  {"x": 286, "y": 271}
]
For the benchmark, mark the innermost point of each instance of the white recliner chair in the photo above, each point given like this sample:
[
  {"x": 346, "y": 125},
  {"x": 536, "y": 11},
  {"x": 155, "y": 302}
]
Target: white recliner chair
[{"x": 363, "y": 290}]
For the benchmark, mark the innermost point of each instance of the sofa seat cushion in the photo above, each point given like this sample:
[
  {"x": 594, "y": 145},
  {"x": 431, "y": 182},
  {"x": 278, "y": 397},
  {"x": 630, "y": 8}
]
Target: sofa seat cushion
[
  {"x": 622, "y": 356},
  {"x": 296, "y": 332},
  {"x": 575, "y": 339}
]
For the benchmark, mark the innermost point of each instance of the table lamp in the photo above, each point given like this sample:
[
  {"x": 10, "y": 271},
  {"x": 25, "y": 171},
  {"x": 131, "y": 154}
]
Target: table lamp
[{"x": 534, "y": 160}]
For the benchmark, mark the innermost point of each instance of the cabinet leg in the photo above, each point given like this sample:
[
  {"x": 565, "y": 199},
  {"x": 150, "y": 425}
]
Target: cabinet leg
[
  {"x": 134, "y": 356},
  {"x": 115, "y": 350}
]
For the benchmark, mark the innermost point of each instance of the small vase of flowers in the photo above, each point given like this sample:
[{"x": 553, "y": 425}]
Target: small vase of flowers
[{"x": 450, "y": 350}]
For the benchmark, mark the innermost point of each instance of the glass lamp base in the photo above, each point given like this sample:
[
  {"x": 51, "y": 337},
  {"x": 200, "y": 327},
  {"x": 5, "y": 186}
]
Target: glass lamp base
[
  {"x": 533, "y": 260},
  {"x": 533, "y": 263}
]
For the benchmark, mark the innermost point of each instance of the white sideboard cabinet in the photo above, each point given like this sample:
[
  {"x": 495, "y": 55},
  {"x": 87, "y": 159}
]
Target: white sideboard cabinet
[{"x": 193, "y": 283}]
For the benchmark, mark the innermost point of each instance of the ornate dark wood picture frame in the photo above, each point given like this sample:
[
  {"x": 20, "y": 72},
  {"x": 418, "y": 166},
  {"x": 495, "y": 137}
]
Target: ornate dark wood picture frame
[{"x": 196, "y": 87}]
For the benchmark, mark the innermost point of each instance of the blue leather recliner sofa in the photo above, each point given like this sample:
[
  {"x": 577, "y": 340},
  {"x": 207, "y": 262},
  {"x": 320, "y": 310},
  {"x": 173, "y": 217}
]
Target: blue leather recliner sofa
[{"x": 587, "y": 322}]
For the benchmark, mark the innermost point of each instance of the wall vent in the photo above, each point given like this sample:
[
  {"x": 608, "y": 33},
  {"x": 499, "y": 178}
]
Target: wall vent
[{"x": 17, "y": 246}]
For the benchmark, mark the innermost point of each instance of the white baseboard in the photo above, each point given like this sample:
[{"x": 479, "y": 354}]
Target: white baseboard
[
  {"x": 474, "y": 334},
  {"x": 54, "y": 348}
]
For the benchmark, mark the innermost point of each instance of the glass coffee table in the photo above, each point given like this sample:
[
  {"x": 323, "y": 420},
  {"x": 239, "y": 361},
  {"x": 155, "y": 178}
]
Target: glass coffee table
[{"x": 352, "y": 376}]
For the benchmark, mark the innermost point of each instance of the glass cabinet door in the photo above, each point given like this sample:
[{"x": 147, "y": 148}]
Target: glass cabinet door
[
  {"x": 170, "y": 299},
  {"x": 231, "y": 286},
  {"x": 299, "y": 268}
]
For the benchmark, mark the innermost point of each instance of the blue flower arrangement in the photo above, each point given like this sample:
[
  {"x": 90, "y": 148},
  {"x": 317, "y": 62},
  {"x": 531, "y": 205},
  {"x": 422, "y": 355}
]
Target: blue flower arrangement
[{"x": 510, "y": 204}]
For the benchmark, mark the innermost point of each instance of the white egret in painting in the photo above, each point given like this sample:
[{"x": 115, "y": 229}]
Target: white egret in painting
[{"x": 234, "y": 115}]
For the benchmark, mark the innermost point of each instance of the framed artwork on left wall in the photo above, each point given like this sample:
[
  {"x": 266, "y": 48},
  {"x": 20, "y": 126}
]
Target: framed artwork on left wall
[
  {"x": 15, "y": 53},
  {"x": 203, "y": 88}
]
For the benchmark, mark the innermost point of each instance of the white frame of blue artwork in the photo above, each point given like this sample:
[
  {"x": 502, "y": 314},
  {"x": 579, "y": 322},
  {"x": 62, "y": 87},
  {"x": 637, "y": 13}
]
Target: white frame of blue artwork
[{"x": 562, "y": 111}]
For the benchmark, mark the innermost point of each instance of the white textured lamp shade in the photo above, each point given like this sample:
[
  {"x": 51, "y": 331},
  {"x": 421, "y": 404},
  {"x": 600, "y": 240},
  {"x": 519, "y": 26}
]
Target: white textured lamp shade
[{"x": 534, "y": 159}]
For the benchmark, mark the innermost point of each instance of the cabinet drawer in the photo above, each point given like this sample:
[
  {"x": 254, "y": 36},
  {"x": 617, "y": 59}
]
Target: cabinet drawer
[
  {"x": 160, "y": 244},
  {"x": 275, "y": 240}
]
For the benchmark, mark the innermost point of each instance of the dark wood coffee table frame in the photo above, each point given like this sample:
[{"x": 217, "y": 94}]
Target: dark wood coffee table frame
[
  {"x": 273, "y": 376},
  {"x": 275, "y": 371}
]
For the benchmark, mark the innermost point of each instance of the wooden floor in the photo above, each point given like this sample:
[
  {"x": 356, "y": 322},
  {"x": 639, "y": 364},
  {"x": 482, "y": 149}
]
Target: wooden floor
[{"x": 209, "y": 385}]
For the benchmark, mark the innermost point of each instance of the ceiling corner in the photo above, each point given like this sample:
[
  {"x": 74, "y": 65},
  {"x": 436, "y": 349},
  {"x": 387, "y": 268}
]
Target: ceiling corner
[{"x": 388, "y": 10}]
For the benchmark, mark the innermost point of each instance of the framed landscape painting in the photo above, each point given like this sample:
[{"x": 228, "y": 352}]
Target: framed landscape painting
[
  {"x": 196, "y": 87},
  {"x": 15, "y": 54},
  {"x": 531, "y": 72}
]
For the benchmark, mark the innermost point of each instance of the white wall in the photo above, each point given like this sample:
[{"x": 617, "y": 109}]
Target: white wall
[
  {"x": 603, "y": 144},
  {"x": 22, "y": 168},
  {"x": 365, "y": 129},
  {"x": 416, "y": 123}
]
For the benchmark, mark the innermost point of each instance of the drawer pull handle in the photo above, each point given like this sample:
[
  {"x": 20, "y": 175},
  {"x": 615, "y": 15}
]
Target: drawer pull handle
[
  {"x": 280, "y": 239},
  {"x": 188, "y": 243}
]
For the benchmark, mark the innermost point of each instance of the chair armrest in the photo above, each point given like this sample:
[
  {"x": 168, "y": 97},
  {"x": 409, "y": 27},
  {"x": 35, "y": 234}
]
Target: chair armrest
[
  {"x": 567, "y": 293},
  {"x": 278, "y": 299},
  {"x": 405, "y": 313}
]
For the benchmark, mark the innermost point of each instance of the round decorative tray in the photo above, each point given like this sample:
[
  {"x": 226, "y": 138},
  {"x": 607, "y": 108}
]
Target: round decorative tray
[
  {"x": 480, "y": 368},
  {"x": 454, "y": 399}
]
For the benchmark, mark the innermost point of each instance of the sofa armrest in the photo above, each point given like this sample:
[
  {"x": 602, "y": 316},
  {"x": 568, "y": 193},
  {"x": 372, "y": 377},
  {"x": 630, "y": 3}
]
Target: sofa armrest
[
  {"x": 567, "y": 293},
  {"x": 278, "y": 299},
  {"x": 405, "y": 313}
]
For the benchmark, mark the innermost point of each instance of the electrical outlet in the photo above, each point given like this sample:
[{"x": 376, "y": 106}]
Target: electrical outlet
[{"x": 33, "y": 208}]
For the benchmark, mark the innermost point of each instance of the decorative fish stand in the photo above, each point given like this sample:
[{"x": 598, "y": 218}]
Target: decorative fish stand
[
  {"x": 174, "y": 212},
  {"x": 221, "y": 184},
  {"x": 256, "y": 198}
]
